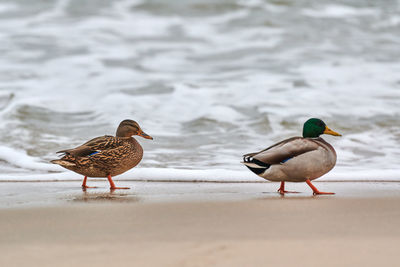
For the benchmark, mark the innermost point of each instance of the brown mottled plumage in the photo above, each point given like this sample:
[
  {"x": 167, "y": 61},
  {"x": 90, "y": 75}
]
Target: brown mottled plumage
[{"x": 106, "y": 156}]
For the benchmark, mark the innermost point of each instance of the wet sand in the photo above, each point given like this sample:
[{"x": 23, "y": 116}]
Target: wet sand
[
  {"x": 34, "y": 194},
  {"x": 232, "y": 225}
]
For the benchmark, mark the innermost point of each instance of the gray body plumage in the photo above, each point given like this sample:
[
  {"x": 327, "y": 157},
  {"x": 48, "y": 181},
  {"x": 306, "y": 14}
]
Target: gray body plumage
[{"x": 293, "y": 160}]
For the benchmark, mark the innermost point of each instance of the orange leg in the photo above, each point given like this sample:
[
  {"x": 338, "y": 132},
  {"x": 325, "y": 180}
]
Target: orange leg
[
  {"x": 316, "y": 191},
  {"x": 112, "y": 185},
  {"x": 84, "y": 186},
  {"x": 282, "y": 191}
]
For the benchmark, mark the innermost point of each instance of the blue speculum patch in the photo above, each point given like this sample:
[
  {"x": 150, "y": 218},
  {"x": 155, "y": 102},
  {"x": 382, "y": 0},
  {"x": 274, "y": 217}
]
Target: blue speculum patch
[
  {"x": 93, "y": 153},
  {"x": 283, "y": 161}
]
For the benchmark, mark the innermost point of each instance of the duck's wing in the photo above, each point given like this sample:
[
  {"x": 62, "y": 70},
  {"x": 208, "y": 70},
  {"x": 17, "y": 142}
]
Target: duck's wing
[
  {"x": 94, "y": 146},
  {"x": 282, "y": 151}
]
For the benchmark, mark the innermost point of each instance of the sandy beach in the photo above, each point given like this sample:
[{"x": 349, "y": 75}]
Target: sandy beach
[
  {"x": 208, "y": 81},
  {"x": 263, "y": 230}
]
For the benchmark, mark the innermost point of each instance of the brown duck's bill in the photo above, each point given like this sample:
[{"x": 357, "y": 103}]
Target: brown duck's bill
[
  {"x": 329, "y": 131},
  {"x": 145, "y": 135}
]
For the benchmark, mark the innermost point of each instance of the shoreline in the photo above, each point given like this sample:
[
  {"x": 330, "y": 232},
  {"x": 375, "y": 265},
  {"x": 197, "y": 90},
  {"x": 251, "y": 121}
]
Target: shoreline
[
  {"x": 262, "y": 181},
  {"x": 47, "y": 194}
]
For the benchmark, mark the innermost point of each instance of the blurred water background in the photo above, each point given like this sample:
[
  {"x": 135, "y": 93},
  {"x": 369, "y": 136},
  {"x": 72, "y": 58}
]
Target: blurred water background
[{"x": 210, "y": 80}]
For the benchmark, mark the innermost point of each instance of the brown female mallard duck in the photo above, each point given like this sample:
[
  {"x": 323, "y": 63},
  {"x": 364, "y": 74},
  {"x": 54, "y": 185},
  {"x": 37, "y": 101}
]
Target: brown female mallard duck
[
  {"x": 297, "y": 159},
  {"x": 106, "y": 156}
]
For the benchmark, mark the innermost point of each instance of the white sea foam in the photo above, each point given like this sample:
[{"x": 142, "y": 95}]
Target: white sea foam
[
  {"x": 22, "y": 160},
  {"x": 209, "y": 82},
  {"x": 338, "y": 11},
  {"x": 211, "y": 175},
  {"x": 7, "y": 7},
  {"x": 41, "y": 171}
]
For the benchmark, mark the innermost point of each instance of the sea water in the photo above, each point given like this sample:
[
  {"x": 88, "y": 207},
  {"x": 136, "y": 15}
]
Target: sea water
[{"x": 209, "y": 80}]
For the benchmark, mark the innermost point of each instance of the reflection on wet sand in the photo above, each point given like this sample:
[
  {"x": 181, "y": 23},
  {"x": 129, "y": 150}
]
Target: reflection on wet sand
[
  {"x": 28, "y": 194},
  {"x": 111, "y": 196}
]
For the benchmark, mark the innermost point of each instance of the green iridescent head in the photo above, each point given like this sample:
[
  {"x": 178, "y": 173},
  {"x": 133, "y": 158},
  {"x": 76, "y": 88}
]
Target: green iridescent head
[{"x": 315, "y": 127}]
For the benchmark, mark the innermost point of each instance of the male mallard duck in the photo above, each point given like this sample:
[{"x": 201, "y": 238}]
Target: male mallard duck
[
  {"x": 106, "y": 156},
  {"x": 297, "y": 159}
]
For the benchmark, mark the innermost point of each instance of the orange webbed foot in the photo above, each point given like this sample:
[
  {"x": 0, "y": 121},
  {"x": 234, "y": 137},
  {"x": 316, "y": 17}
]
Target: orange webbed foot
[
  {"x": 112, "y": 185},
  {"x": 282, "y": 190},
  {"x": 84, "y": 186},
  {"x": 316, "y": 191}
]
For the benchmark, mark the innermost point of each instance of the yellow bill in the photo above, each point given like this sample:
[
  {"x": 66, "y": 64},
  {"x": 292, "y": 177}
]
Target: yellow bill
[{"x": 329, "y": 131}]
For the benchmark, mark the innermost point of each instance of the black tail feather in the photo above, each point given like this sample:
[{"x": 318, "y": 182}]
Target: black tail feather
[
  {"x": 262, "y": 166},
  {"x": 257, "y": 171}
]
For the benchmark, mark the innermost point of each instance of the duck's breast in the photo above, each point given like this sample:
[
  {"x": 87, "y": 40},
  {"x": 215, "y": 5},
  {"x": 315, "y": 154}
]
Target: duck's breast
[{"x": 131, "y": 155}]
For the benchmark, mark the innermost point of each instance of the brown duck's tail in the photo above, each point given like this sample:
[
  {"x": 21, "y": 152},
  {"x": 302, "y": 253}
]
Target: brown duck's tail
[{"x": 63, "y": 163}]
